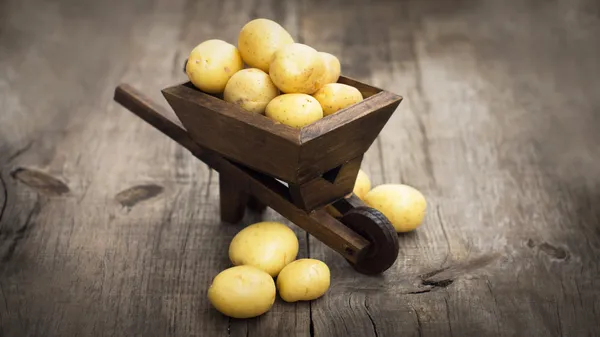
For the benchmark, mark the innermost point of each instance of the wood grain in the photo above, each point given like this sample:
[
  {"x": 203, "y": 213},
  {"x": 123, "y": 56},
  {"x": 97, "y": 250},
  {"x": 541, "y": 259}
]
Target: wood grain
[
  {"x": 254, "y": 140},
  {"x": 498, "y": 128}
]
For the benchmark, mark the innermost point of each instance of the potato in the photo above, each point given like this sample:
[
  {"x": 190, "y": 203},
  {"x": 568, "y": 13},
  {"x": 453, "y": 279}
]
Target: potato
[
  {"x": 295, "y": 110},
  {"x": 251, "y": 89},
  {"x": 269, "y": 246},
  {"x": 303, "y": 280},
  {"x": 332, "y": 67},
  {"x": 259, "y": 39},
  {"x": 337, "y": 96},
  {"x": 362, "y": 184},
  {"x": 211, "y": 64},
  {"x": 333, "y": 211},
  {"x": 297, "y": 68},
  {"x": 403, "y": 205},
  {"x": 242, "y": 292}
]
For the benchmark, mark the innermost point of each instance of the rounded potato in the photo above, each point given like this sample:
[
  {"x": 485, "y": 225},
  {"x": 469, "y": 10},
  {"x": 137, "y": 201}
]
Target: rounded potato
[
  {"x": 211, "y": 64},
  {"x": 297, "y": 68},
  {"x": 242, "y": 292},
  {"x": 259, "y": 39},
  {"x": 303, "y": 280},
  {"x": 362, "y": 185},
  {"x": 337, "y": 96},
  {"x": 333, "y": 67},
  {"x": 269, "y": 246},
  {"x": 251, "y": 89},
  {"x": 403, "y": 205},
  {"x": 295, "y": 110}
]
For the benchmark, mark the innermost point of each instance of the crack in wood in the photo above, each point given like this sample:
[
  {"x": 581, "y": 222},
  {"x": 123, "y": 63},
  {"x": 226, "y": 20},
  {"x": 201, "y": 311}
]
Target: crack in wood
[
  {"x": 425, "y": 143},
  {"x": 449, "y": 247},
  {"x": 19, "y": 152},
  {"x": 371, "y": 318},
  {"x": 448, "y": 316},
  {"x": 21, "y": 232},
  {"x": 5, "y": 201},
  {"x": 489, "y": 286},
  {"x": 419, "y": 324}
]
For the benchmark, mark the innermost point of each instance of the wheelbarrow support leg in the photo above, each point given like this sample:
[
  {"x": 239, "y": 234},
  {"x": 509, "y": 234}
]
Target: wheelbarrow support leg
[{"x": 233, "y": 200}]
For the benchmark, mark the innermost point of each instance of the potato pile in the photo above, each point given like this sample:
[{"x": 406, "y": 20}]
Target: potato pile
[
  {"x": 289, "y": 82},
  {"x": 259, "y": 253}
]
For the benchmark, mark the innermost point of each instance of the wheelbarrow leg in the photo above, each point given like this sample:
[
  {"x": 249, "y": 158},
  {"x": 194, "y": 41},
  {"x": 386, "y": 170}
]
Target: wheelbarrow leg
[{"x": 233, "y": 199}]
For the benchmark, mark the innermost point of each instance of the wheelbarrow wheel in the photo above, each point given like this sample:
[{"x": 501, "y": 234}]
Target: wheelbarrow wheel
[{"x": 375, "y": 227}]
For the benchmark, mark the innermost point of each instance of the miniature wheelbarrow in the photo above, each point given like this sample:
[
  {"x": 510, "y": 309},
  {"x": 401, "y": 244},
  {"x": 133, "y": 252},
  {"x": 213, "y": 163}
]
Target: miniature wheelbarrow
[{"x": 299, "y": 173}]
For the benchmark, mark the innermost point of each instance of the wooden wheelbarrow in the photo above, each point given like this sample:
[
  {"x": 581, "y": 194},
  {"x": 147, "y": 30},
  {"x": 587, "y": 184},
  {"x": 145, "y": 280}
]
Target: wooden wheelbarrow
[{"x": 307, "y": 175}]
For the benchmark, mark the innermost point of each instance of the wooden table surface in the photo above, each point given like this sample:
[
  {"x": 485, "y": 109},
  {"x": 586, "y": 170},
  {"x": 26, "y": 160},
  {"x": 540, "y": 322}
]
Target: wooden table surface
[{"x": 108, "y": 228}]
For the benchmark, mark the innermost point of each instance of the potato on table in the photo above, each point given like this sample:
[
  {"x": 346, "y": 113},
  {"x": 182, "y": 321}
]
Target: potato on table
[
  {"x": 334, "y": 97},
  {"x": 211, "y": 64},
  {"x": 303, "y": 280},
  {"x": 362, "y": 185},
  {"x": 295, "y": 110},
  {"x": 297, "y": 68},
  {"x": 259, "y": 39},
  {"x": 269, "y": 246},
  {"x": 403, "y": 205},
  {"x": 251, "y": 89},
  {"x": 242, "y": 292}
]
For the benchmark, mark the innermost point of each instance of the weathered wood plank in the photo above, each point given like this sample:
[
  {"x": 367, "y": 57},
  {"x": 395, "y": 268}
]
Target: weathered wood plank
[
  {"x": 498, "y": 128},
  {"x": 479, "y": 136}
]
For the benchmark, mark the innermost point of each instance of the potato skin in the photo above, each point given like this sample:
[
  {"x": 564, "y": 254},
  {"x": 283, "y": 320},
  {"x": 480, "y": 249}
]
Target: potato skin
[
  {"x": 334, "y": 97},
  {"x": 251, "y": 89},
  {"x": 297, "y": 68},
  {"x": 267, "y": 245},
  {"x": 259, "y": 39},
  {"x": 332, "y": 67},
  {"x": 242, "y": 292},
  {"x": 403, "y": 205},
  {"x": 295, "y": 110},
  {"x": 211, "y": 64},
  {"x": 303, "y": 280},
  {"x": 362, "y": 185}
]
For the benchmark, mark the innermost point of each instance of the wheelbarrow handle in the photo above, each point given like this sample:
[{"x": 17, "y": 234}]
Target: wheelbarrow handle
[{"x": 155, "y": 115}]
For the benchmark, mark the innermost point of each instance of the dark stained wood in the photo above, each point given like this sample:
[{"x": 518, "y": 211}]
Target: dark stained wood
[
  {"x": 292, "y": 155},
  {"x": 239, "y": 180},
  {"x": 232, "y": 200},
  {"x": 498, "y": 128},
  {"x": 254, "y": 140},
  {"x": 344, "y": 135},
  {"x": 324, "y": 190}
]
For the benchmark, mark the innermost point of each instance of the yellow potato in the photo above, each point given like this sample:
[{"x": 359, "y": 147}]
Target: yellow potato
[
  {"x": 297, "y": 68},
  {"x": 403, "y": 205},
  {"x": 362, "y": 185},
  {"x": 259, "y": 39},
  {"x": 242, "y": 292},
  {"x": 251, "y": 89},
  {"x": 332, "y": 67},
  {"x": 303, "y": 280},
  {"x": 337, "y": 96},
  {"x": 269, "y": 246},
  {"x": 211, "y": 64},
  {"x": 333, "y": 211},
  {"x": 295, "y": 110}
]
